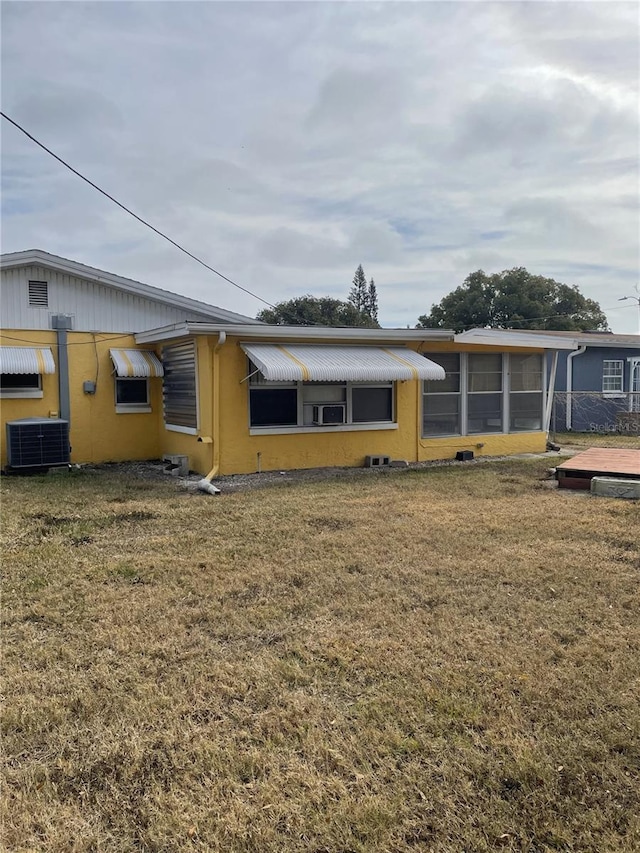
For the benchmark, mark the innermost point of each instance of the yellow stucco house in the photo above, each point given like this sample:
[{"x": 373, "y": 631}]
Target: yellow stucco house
[{"x": 133, "y": 372}]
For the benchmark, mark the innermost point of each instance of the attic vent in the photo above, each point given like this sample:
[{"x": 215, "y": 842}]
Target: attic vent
[{"x": 39, "y": 294}]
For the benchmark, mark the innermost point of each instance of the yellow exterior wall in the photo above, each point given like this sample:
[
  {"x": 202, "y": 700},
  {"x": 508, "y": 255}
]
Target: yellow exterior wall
[
  {"x": 223, "y": 443},
  {"x": 97, "y": 432},
  {"x": 239, "y": 450}
]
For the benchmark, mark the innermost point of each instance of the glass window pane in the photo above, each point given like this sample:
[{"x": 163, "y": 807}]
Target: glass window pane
[
  {"x": 441, "y": 415},
  {"x": 451, "y": 363},
  {"x": 484, "y": 413},
  {"x": 274, "y": 407},
  {"x": 314, "y": 393},
  {"x": 612, "y": 373},
  {"x": 132, "y": 392},
  {"x": 525, "y": 412},
  {"x": 526, "y": 372},
  {"x": 485, "y": 372},
  {"x": 19, "y": 381},
  {"x": 371, "y": 404}
]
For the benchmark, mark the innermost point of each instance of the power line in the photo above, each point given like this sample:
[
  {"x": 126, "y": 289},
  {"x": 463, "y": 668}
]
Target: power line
[
  {"x": 131, "y": 213},
  {"x": 552, "y": 317}
]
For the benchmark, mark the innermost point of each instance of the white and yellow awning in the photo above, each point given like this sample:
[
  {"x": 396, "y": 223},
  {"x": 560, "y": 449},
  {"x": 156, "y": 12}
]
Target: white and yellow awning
[
  {"x": 136, "y": 363},
  {"x": 299, "y": 362},
  {"x": 26, "y": 360}
]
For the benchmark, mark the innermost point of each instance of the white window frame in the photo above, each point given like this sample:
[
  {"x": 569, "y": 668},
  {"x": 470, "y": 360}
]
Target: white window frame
[
  {"x": 510, "y": 392},
  {"x": 256, "y": 382},
  {"x": 619, "y": 374},
  {"x": 505, "y": 393},
  {"x": 460, "y": 394},
  {"x": 28, "y": 392},
  {"x": 131, "y": 408}
]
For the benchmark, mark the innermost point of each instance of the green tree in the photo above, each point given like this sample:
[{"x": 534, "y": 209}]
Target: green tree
[
  {"x": 514, "y": 299},
  {"x": 359, "y": 293},
  {"x": 313, "y": 311},
  {"x": 372, "y": 301}
]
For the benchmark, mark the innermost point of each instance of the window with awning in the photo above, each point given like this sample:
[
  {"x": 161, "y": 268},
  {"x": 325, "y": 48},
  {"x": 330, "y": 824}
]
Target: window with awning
[
  {"x": 301, "y": 386},
  {"x": 133, "y": 368},
  {"x": 134, "y": 363},
  {"x": 21, "y": 370}
]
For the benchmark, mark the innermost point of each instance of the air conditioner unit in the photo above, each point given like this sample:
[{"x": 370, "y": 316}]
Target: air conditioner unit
[
  {"x": 37, "y": 443},
  {"x": 329, "y": 413}
]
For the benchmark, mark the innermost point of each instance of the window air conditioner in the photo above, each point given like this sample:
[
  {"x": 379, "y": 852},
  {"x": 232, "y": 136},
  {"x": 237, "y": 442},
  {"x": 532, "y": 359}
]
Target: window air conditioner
[{"x": 330, "y": 413}]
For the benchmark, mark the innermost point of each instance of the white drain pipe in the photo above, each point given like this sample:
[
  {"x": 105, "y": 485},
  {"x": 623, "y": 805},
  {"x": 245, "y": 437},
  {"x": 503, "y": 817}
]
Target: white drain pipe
[{"x": 582, "y": 348}]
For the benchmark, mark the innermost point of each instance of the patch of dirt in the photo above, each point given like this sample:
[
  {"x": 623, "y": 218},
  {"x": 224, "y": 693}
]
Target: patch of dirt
[{"x": 158, "y": 470}]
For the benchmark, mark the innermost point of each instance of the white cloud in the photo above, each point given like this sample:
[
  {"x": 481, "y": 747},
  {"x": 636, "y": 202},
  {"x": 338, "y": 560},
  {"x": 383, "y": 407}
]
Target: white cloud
[{"x": 287, "y": 143}]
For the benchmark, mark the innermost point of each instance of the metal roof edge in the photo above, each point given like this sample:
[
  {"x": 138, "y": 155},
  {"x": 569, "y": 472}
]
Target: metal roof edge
[
  {"x": 38, "y": 257},
  {"x": 499, "y": 337},
  {"x": 266, "y": 332}
]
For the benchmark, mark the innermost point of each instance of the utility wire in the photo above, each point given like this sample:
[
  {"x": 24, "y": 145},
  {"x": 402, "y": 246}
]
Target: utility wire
[
  {"x": 186, "y": 251},
  {"x": 131, "y": 213},
  {"x": 552, "y": 317}
]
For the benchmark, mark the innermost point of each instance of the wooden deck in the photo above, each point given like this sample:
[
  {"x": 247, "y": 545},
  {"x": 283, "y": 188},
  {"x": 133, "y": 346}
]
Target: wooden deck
[{"x": 576, "y": 473}]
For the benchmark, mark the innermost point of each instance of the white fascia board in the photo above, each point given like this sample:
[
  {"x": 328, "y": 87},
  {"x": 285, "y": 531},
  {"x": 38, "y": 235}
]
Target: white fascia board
[
  {"x": 275, "y": 333},
  {"x": 497, "y": 338},
  {"x": 36, "y": 257},
  {"x": 610, "y": 344}
]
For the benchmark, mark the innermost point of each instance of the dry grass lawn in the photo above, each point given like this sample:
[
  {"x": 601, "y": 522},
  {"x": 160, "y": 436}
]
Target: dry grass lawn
[
  {"x": 597, "y": 439},
  {"x": 436, "y": 660}
]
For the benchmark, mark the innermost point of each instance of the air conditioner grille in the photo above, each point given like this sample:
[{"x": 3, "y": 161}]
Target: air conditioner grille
[{"x": 38, "y": 443}]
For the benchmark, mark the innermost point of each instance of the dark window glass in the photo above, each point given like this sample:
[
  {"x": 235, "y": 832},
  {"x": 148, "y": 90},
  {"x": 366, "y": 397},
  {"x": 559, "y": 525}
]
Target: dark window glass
[
  {"x": 274, "y": 406},
  {"x": 371, "y": 404},
  {"x": 484, "y": 413},
  {"x": 441, "y": 414},
  {"x": 525, "y": 412},
  {"x": 19, "y": 381},
  {"x": 132, "y": 392},
  {"x": 451, "y": 383}
]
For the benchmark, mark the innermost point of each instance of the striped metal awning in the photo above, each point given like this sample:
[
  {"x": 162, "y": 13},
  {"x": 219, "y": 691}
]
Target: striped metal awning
[
  {"x": 26, "y": 360},
  {"x": 136, "y": 363},
  {"x": 298, "y": 362}
]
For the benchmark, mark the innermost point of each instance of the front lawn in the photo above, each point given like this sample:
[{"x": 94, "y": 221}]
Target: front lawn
[{"x": 435, "y": 660}]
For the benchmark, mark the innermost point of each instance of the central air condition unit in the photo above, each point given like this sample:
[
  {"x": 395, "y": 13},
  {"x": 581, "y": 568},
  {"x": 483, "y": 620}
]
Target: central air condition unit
[
  {"x": 37, "y": 443},
  {"x": 330, "y": 413}
]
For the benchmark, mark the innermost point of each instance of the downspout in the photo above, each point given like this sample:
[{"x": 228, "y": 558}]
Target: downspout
[
  {"x": 205, "y": 485},
  {"x": 550, "y": 391},
  {"x": 582, "y": 348}
]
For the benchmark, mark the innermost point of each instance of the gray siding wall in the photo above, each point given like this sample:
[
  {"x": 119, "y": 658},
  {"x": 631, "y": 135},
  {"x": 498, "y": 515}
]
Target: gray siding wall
[
  {"x": 587, "y": 367},
  {"x": 94, "y": 306}
]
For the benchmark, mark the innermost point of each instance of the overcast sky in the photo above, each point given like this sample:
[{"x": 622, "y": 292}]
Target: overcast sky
[{"x": 286, "y": 143}]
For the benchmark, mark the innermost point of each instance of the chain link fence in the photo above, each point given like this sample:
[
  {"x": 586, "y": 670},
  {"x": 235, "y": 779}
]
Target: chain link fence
[{"x": 594, "y": 419}]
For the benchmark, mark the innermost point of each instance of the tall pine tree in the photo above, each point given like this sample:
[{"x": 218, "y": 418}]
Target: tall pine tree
[
  {"x": 372, "y": 301},
  {"x": 358, "y": 295}
]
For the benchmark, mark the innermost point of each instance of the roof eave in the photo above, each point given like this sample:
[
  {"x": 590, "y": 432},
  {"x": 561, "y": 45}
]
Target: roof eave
[
  {"x": 266, "y": 332},
  {"x": 496, "y": 338}
]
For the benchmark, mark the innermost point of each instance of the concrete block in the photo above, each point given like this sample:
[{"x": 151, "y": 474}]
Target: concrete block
[
  {"x": 177, "y": 464},
  {"x": 615, "y": 487},
  {"x": 398, "y": 463},
  {"x": 376, "y": 461}
]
